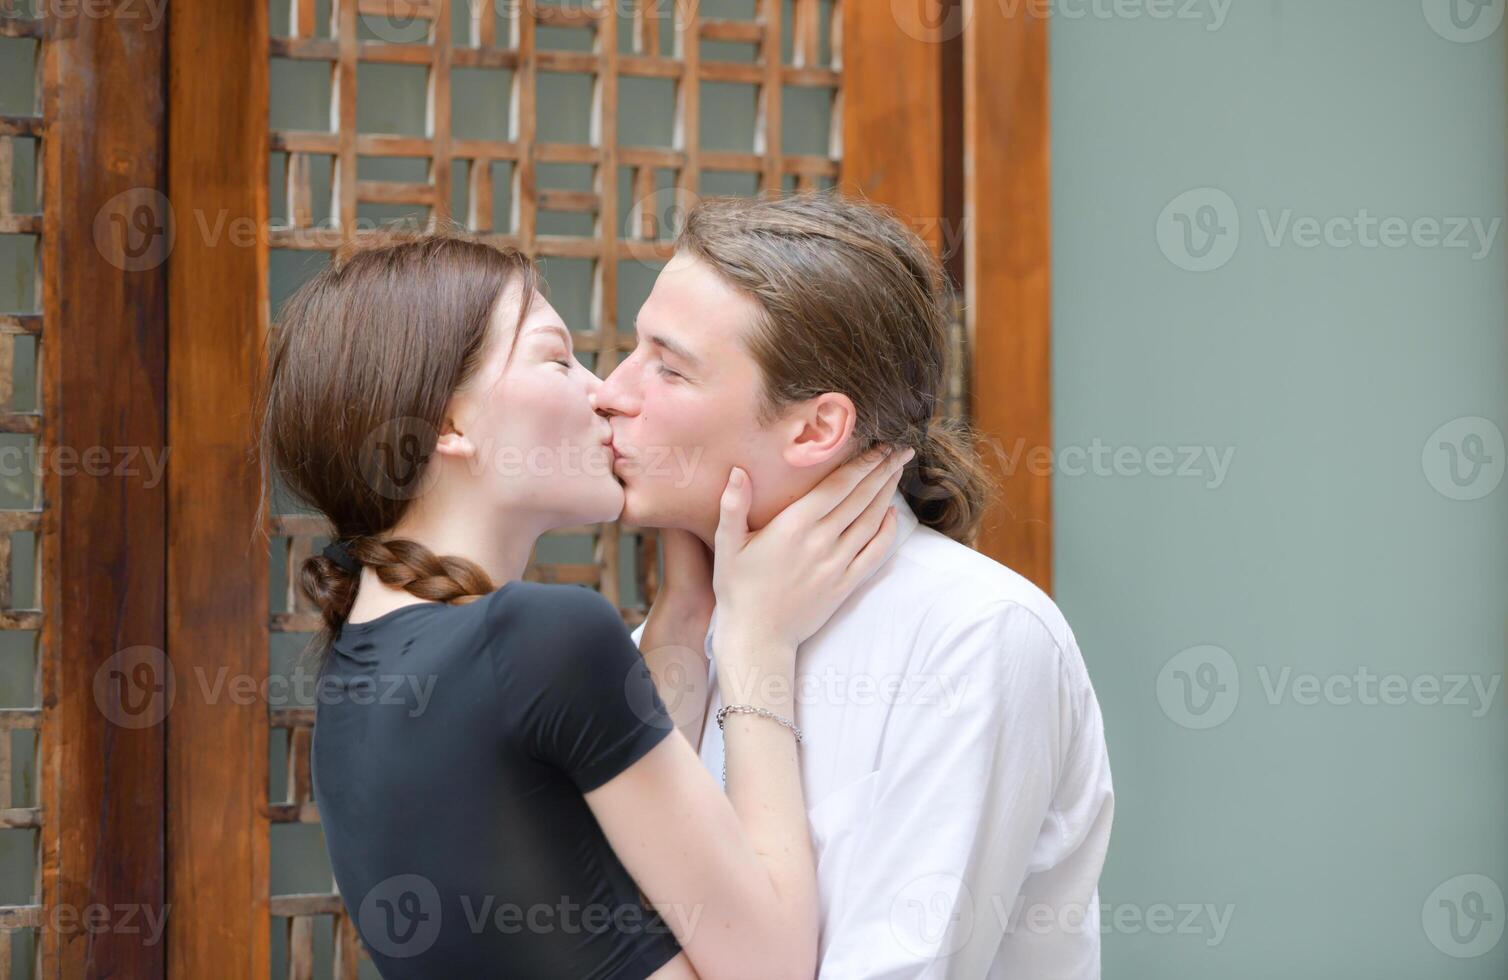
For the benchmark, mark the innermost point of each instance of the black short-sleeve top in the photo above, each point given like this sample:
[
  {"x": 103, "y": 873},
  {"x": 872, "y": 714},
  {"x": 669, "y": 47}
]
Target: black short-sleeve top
[{"x": 452, "y": 745}]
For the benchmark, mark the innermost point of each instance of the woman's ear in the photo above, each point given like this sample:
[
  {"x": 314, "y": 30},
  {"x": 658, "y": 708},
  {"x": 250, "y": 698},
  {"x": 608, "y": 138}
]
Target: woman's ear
[
  {"x": 821, "y": 430},
  {"x": 452, "y": 443}
]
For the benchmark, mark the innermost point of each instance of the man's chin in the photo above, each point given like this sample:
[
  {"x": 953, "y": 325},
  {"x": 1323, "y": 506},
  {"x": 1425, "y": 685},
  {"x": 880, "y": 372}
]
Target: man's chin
[{"x": 643, "y": 509}]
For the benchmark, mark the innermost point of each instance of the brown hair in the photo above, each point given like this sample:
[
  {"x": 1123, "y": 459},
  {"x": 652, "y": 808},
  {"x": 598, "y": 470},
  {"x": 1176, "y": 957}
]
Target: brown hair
[
  {"x": 852, "y": 302},
  {"x": 360, "y": 367}
]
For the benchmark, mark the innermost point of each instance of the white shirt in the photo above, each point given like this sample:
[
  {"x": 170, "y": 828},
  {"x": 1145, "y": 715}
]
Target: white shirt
[{"x": 956, "y": 777}]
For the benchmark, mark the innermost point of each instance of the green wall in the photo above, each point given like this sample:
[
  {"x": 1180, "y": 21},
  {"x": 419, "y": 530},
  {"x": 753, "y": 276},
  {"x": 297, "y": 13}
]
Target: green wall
[{"x": 1276, "y": 576}]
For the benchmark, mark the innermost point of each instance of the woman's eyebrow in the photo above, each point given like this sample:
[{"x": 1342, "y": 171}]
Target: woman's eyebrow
[{"x": 553, "y": 328}]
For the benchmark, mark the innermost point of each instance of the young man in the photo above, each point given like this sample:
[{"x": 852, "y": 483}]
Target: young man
[{"x": 953, "y": 761}]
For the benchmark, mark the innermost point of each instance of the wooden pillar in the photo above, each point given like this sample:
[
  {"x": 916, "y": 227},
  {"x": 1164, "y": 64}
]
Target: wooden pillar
[
  {"x": 892, "y": 124},
  {"x": 1008, "y": 257},
  {"x": 104, "y": 386},
  {"x": 216, "y": 560}
]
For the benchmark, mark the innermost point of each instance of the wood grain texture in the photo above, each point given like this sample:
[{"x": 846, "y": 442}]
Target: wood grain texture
[
  {"x": 216, "y": 564},
  {"x": 103, "y": 539},
  {"x": 1007, "y": 214},
  {"x": 892, "y": 131}
]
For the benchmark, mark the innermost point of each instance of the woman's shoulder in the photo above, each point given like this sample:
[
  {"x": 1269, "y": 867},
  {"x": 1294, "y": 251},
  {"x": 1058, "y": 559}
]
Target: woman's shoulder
[
  {"x": 564, "y": 617},
  {"x": 545, "y": 600}
]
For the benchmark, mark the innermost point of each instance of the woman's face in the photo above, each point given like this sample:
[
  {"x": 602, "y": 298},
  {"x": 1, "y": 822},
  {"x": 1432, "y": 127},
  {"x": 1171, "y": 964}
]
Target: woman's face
[{"x": 538, "y": 444}]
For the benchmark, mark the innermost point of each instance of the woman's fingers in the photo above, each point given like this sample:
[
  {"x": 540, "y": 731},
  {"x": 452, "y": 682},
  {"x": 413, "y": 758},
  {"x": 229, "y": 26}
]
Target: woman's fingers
[
  {"x": 867, "y": 523},
  {"x": 877, "y": 483},
  {"x": 872, "y": 556},
  {"x": 733, "y": 514},
  {"x": 834, "y": 488}
]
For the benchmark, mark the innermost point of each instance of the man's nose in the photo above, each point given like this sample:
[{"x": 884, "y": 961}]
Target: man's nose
[{"x": 614, "y": 395}]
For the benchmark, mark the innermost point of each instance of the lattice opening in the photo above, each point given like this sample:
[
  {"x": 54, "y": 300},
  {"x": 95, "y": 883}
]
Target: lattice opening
[
  {"x": 652, "y": 101},
  {"x": 481, "y": 103},
  {"x": 299, "y": 95},
  {"x": 566, "y": 101},
  {"x": 730, "y": 100}
]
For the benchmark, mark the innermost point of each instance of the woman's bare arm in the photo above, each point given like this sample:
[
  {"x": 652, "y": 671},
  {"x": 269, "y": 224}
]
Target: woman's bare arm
[{"x": 733, "y": 875}]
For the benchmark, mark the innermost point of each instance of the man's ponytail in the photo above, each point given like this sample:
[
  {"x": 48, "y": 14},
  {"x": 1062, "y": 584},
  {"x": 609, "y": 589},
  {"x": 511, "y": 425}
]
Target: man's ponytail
[{"x": 946, "y": 484}]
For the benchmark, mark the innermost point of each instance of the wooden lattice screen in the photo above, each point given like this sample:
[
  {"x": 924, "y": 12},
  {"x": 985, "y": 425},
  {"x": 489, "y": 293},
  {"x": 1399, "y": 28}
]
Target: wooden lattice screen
[
  {"x": 127, "y": 119},
  {"x": 21, "y": 335},
  {"x": 653, "y": 39}
]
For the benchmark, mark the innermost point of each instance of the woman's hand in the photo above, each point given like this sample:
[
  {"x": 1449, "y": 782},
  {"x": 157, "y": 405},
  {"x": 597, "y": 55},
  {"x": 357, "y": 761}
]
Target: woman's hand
[{"x": 778, "y": 585}]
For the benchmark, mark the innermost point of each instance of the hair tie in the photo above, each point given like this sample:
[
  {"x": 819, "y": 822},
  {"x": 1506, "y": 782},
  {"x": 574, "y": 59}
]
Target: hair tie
[{"x": 338, "y": 553}]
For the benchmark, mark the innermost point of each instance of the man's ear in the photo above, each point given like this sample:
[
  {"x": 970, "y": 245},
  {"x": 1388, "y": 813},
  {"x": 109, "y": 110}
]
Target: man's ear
[{"x": 820, "y": 430}]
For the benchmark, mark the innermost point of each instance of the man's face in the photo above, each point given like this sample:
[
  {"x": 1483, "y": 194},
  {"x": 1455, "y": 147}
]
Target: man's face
[{"x": 684, "y": 407}]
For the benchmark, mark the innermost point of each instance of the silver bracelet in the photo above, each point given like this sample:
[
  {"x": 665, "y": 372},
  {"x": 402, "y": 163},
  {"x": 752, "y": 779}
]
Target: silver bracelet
[{"x": 749, "y": 709}]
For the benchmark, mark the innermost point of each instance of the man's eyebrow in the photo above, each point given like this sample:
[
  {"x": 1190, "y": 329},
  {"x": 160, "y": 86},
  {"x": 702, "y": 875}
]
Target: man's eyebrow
[{"x": 672, "y": 346}]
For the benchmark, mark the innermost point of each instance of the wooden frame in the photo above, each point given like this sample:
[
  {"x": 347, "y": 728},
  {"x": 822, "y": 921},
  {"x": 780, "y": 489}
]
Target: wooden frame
[
  {"x": 216, "y": 564},
  {"x": 101, "y": 539},
  {"x": 1008, "y": 217}
]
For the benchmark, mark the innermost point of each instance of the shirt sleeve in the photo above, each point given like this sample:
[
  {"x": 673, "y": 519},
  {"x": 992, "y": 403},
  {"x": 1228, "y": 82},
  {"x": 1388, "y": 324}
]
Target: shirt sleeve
[
  {"x": 587, "y": 703},
  {"x": 959, "y": 805}
]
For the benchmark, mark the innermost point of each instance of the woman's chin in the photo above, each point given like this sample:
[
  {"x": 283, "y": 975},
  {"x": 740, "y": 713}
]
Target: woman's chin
[
  {"x": 612, "y": 503},
  {"x": 603, "y": 504}
]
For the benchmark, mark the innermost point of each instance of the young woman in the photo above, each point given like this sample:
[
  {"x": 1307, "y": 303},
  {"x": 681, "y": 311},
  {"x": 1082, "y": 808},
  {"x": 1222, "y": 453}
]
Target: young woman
[{"x": 496, "y": 773}]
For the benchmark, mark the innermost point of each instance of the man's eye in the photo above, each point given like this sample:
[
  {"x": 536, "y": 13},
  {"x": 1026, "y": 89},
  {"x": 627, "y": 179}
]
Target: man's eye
[
  {"x": 565, "y": 363},
  {"x": 670, "y": 373}
]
